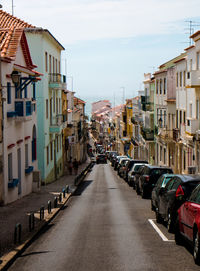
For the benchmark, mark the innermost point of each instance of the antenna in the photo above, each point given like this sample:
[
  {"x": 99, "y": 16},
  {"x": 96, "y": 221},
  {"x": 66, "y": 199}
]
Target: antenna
[
  {"x": 192, "y": 25},
  {"x": 12, "y": 8}
]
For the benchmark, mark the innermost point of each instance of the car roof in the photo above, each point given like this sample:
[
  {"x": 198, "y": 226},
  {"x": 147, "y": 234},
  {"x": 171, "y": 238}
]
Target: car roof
[{"x": 157, "y": 167}]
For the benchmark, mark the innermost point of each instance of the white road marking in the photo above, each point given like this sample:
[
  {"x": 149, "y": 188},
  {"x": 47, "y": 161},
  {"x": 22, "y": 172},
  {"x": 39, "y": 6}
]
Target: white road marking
[{"x": 164, "y": 238}]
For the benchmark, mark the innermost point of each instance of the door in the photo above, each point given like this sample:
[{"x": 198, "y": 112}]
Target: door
[{"x": 19, "y": 170}]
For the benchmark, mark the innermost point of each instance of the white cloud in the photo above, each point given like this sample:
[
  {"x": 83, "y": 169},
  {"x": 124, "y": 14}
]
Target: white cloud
[{"x": 77, "y": 20}]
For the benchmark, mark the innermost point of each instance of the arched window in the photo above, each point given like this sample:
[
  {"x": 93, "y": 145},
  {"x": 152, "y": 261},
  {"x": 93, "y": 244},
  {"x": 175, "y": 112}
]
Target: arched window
[{"x": 34, "y": 141}]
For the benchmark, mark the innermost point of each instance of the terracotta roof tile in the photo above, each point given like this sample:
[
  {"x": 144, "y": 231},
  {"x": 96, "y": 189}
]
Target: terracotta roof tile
[{"x": 11, "y": 31}]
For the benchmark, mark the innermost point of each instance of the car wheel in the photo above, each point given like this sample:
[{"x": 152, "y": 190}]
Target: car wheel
[
  {"x": 152, "y": 206},
  {"x": 196, "y": 251},
  {"x": 137, "y": 190},
  {"x": 169, "y": 223},
  {"x": 143, "y": 193},
  {"x": 158, "y": 216}
]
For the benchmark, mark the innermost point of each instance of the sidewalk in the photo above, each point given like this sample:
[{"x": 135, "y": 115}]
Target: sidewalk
[{"x": 18, "y": 211}]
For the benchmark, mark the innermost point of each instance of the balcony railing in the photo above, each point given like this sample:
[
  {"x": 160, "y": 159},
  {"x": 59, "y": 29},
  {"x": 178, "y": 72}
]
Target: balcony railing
[
  {"x": 56, "y": 80},
  {"x": 56, "y": 124},
  {"x": 23, "y": 110},
  {"x": 193, "y": 78},
  {"x": 192, "y": 126},
  {"x": 147, "y": 134}
]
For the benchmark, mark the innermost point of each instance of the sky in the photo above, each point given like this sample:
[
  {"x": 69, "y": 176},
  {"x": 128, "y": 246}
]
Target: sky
[{"x": 110, "y": 44}]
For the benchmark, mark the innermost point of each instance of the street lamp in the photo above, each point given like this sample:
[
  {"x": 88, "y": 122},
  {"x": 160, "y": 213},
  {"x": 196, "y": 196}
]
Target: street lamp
[{"x": 16, "y": 76}]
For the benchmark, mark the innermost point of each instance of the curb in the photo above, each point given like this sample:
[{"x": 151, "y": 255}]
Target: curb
[{"x": 8, "y": 259}]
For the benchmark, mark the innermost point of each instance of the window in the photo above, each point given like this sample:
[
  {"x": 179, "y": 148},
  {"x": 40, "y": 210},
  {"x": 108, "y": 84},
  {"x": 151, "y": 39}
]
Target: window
[
  {"x": 10, "y": 168},
  {"x": 34, "y": 90},
  {"x": 164, "y": 155},
  {"x": 26, "y": 156},
  {"x": 180, "y": 118},
  {"x": 56, "y": 66},
  {"x": 57, "y": 143},
  {"x": 160, "y": 86},
  {"x": 180, "y": 79},
  {"x": 164, "y": 119},
  {"x": 51, "y": 150},
  {"x": 47, "y": 155},
  {"x": 176, "y": 79},
  {"x": 47, "y": 109},
  {"x": 59, "y": 106},
  {"x": 165, "y": 85},
  {"x": 184, "y": 75},
  {"x": 25, "y": 92},
  {"x": 198, "y": 60},
  {"x": 184, "y": 117},
  {"x": 197, "y": 109},
  {"x": 160, "y": 153},
  {"x": 190, "y": 110},
  {"x": 157, "y": 84},
  {"x": 177, "y": 119},
  {"x": 54, "y": 103},
  {"x": 184, "y": 161},
  {"x": 49, "y": 63},
  {"x": 8, "y": 93},
  {"x": 53, "y": 65},
  {"x": 46, "y": 62}
]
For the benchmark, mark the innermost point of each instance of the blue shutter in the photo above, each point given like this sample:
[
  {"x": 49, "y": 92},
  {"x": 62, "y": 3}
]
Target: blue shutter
[
  {"x": 25, "y": 92},
  {"x": 8, "y": 93}
]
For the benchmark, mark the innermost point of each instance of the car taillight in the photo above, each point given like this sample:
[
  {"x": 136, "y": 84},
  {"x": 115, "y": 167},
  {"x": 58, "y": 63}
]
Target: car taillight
[
  {"x": 146, "y": 178},
  {"x": 179, "y": 191}
]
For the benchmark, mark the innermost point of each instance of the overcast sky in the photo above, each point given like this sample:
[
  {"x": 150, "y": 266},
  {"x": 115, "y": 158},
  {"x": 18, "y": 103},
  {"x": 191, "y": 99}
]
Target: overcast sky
[{"x": 111, "y": 43}]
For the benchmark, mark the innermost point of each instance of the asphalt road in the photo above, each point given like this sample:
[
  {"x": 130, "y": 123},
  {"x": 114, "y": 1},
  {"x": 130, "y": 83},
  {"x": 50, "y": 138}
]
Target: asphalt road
[{"x": 105, "y": 226}]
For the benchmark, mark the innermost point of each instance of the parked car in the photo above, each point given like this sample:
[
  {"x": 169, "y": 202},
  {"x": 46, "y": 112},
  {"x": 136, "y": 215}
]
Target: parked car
[
  {"x": 117, "y": 160},
  {"x": 188, "y": 223},
  {"x": 136, "y": 179},
  {"x": 113, "y": 157},
  {"x": 101, "y": 158},
  {"x": 149, "y": 177},
  {"x": 172, "y": 196},
  {"x": 130, "y": 165},
  {"x": 161, "y": 183},
  {"x": 122, "y": 165},
  {"x": 132, "y": 174},
  {"x": 112, "y": 153}
]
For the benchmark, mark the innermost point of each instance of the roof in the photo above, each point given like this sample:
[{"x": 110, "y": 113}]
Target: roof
[
  {"x": 78, "y": 101},
  {"x": 11, "y": 32},
  {"x": 195, "y": 34}
]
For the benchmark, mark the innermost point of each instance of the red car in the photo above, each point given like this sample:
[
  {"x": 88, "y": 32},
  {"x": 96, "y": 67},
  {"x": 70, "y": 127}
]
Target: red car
[{"x": 188, "y": 223}]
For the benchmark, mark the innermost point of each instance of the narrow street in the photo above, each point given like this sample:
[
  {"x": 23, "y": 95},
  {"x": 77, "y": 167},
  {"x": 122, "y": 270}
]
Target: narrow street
[{"x": 105, "y": 226}]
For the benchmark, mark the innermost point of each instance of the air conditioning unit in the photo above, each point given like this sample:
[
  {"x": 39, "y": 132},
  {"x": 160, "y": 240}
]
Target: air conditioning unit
[{"x": 198, "y": 135}]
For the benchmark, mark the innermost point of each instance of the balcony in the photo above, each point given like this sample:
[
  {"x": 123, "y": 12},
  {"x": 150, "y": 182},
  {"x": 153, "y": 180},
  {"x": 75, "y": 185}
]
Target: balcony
[
  {"x": 23, "y": 110},
  {"x": 57, "y": 81},
  {"x": 13, "y": 183},
  {"x": 176, "y": 134},
  {"x": 56, "y": 124},
  {"x": 147, "y": 134},
  {"x": 193, "y": 79},
  {"x": 192, "y": 126},
  {"x": 29, "y": 170}
]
